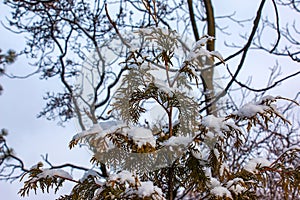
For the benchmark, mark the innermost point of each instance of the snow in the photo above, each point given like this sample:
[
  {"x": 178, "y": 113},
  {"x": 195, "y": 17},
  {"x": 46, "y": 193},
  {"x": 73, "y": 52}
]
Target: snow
[
  {"x": 198, "y": 51},
  {"x": 203, "y": 41},
  {"x": 216, "y": 188},
  {"x": 195, "y": 53},
  {"x": 178, "y": 140},
  {"x": 214, "y": 182},
  {"x": 221, "y": 191},
  {"x": 207, "y": 172},
  {"x": 234, "y": 185},
  {"x": 218, "y": 124},
  {"x": 251, "y": 165},
  {"x": 250, "y": 110},
  {"x": 147, "y": 188},
  {"x": 265, "y": 104},
  {"x": 233, "y": 181},
  {"x": 123, "y": 177},
  {"x": 238, "y": 189},
  {"x": 141, "y": 136},
  {"x": 54, "y": 172},
  {"x": 101, "y": 129},
  {"x": 217, "y": 55},
  {"x": 142, "y": 189}
]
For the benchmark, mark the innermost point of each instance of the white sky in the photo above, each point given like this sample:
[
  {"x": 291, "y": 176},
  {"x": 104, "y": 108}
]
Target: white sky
[{"x": 21, "y": 101}]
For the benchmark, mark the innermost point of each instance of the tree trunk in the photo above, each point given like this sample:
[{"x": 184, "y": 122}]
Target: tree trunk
[{"x": 208, "y": 74}]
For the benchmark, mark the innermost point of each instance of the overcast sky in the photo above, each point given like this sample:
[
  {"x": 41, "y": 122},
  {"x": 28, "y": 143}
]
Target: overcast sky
[{"x": 22, "y": 100}]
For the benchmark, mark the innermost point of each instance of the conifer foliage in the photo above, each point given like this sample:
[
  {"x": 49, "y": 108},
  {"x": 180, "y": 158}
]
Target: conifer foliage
[
  {"x": 183, "y": 156},
  {"x": 159, "y": 121}
]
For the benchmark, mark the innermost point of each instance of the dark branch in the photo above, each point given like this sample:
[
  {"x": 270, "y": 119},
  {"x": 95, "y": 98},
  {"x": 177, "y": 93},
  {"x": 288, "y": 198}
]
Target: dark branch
[
  {"x": 277, "y": 26},
  {"x": 266, "y": 88},
  {"x": 193, "y": 21}
]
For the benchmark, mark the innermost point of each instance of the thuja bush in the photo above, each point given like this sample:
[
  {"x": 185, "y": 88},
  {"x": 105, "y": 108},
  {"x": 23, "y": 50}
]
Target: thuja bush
[{"x": 162, "y": 144}]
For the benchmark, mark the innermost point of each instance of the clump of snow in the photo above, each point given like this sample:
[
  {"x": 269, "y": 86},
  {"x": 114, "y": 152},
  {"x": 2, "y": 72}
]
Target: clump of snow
[
  {"x": 218, "y": 124},
  {"x": 217, "y": 55},
  {"x": 216, "y": 187},
  {"x": 212, "y": 121},
  {"x": 137, "y": 187},
  {"x": 234, "y": 185},
  {"x": 221, "y": 191},
  {"x": 147, "y": 188},
  {"x": 141, "y": 136},
  {"x": 101, "y": 129},
  {"x": 250, "y": 110},
  {"x": 198, "y": 51},
  {"x": 178, "y": 140},
  {"x": 123, "y": 177},
  {"x": 195, "y": 53},
  {"x": 54, "y": 172},
  {"x": 238, "y": 189},
  {"x": 253, "y": 163},
  {"x": 203, "y": 41},
  {"x": 214, "y": 182},
  {"x": 215, "y": 123}
]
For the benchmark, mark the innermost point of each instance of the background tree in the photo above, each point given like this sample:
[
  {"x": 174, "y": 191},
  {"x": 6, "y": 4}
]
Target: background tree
[
  {"x": 5, "y": 59},
  {"x": 65, "y": 34}
]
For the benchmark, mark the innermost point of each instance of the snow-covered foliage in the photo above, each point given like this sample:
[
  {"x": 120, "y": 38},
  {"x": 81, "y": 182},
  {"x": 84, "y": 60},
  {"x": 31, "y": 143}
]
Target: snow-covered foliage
[
  {"x": 147, "y": 189},
  {"x": 198, "y": 50},
  {"x": 134, "y": 188},
  {"x": 183, "y": 155},
  {"x": 220, "y": 191},
  {"x": 54, "y": 173},
  {"x": 45, "y": 179},
  {"x": 123, "y": 177},
  {"x": 102, "y": 131},
  {"x": 264, "y": 108}
]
